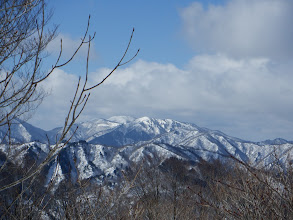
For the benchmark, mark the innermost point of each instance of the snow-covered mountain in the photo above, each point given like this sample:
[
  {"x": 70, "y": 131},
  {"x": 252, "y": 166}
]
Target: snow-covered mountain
[
  {"x": 141, "y": 129},
  {"x": 101, "y": 148}
]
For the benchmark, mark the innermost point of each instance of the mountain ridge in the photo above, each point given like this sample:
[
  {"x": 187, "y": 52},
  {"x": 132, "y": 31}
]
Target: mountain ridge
[
  {"x": 102, "y": 148},
  {"x": 91, "y": 131}
]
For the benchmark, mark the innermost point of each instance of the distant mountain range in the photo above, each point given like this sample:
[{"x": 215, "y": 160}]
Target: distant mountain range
[{"x": 101, "y": 148}]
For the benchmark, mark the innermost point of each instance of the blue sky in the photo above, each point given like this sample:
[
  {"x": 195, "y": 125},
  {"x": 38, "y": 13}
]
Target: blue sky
[
  {"x": 222, "y": 64},
  {"x": 158, "y": 27},
  {"x": 157, "y": 24}
]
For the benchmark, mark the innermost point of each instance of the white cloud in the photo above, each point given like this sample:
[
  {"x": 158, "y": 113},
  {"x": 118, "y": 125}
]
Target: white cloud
[
  {"x": 52, "y": 112},
  {"x": 247, "y": 98},
  {"x": 241, "y": 28}
]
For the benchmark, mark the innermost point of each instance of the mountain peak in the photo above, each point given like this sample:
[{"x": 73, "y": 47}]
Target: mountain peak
[
  {"x": 143, "y": 119},
  {"x": 121, "y": 119}
]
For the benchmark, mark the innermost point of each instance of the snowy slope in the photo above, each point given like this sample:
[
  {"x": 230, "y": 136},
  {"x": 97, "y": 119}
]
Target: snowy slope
[
  {"x": 22, "y": 132},
  {"x": 81, "y": 160}
]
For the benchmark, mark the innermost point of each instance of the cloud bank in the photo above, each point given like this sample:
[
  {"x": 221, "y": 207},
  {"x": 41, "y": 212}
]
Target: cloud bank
[{"x": 241, "y": 28}]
